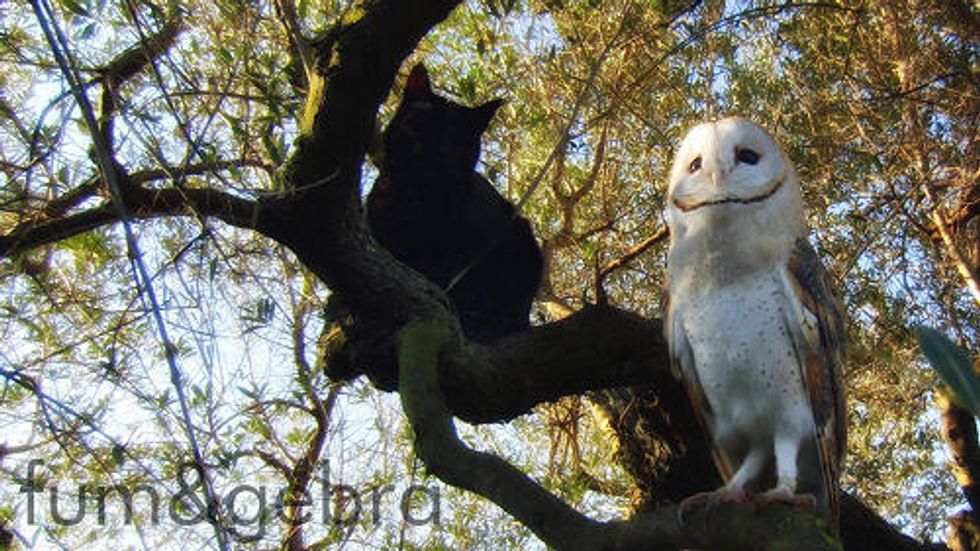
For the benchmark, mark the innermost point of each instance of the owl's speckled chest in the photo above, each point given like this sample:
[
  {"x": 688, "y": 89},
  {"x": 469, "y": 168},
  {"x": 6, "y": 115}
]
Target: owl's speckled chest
[{"x": 743, "y": 355}]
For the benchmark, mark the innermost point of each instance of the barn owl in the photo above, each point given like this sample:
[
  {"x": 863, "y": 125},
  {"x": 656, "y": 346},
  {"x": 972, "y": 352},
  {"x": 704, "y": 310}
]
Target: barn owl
[{"x": 751, "y": 322}]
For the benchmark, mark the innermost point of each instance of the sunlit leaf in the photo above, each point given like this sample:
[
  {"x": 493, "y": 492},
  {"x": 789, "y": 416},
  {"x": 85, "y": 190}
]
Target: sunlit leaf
[{"x": 952, "y": 365}]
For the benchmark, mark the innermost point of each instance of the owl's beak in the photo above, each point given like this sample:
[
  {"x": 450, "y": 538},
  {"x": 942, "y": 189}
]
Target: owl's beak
[{"x": 718, "y": 178}]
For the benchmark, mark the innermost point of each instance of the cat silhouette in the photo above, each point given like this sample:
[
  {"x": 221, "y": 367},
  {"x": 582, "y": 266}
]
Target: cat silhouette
[{"x": 433, "y": 211}]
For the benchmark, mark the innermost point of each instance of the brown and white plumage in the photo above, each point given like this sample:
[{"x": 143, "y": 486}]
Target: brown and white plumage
[{"x": 752, "y": 323}]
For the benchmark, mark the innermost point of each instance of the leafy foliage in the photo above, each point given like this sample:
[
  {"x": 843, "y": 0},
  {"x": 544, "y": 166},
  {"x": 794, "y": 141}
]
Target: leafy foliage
[{"x": 877, "y": 103}]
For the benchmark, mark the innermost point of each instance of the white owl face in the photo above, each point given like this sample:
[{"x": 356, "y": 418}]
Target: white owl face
[
  {"x": 731, "y": 184},
  {"x": 728, "y": 161}
]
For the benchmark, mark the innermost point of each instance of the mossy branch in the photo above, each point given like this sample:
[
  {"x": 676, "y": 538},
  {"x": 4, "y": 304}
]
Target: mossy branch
[{"x": 732, "y": 526}]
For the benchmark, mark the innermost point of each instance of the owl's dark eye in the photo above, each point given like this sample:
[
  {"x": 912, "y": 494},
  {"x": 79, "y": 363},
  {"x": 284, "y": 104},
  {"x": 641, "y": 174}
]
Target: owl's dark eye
[
  {"x": 746, "y": 156},
  {"x": 695, "y": 165}
]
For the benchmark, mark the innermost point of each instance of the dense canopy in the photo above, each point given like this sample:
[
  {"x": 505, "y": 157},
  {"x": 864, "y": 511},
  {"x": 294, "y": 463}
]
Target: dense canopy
[{"x": 182, "y": 193}]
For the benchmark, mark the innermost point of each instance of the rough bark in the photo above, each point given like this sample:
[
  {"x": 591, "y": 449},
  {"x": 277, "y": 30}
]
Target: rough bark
[
  {"x": 318, "y": 215},
  {"x": 959, "y": 430},
  {"x": 660, "y": 444},
  {"x": 732, "y": 526}
]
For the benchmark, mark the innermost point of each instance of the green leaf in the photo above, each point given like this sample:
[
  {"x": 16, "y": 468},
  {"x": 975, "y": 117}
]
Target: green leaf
[
  {"x": 88, "y": 31},
  {"x": 467, "y": 87},
  {"x": 952, "y": 365},
  {"x": 119, "y": 454},
  {"x": 76, "y": 8}
]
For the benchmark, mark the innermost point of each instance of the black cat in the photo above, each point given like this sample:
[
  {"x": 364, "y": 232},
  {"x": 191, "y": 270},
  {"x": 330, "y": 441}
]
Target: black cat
[{"x": 433, "y": 212}]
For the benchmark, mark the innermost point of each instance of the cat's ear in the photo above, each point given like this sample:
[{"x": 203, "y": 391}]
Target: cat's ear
[
  {"x": 418, "y": 82},
  {"x": 482, "y": 115}
]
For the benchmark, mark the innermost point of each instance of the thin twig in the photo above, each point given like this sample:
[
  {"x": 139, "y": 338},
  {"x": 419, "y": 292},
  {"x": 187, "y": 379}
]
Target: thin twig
[
  {"x": 634, "y": 252},
  {"x": 62, "y": 53},
  {"x": 966, "y": 271}
]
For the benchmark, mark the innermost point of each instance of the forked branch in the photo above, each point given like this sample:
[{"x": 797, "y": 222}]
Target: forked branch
[{"x": 734, "y": 526}]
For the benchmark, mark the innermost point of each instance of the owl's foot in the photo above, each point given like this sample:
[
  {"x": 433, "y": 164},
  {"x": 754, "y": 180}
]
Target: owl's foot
[
  {"x": 708, "y": 500},
  {"x": 785, "y": 495}
]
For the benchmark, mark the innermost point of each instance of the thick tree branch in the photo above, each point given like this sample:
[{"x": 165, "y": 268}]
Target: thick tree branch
[
  {"x": 129, "y": 64},
  {"x": 352, "y": 77},
  {"x": 969, "y": 274},
  {"x": 965, "y": 209},
  {"x": 595, "y": 348},
  {"x": 863, "y": 530},
  {"x": 140, "y": 203},
  {"x": 960, "y": 433},
  {"x": 132, "y": 61},
  {"x": 738, "y": 526},
  {"x": 322, "y": 220},
  {"x": 75, "y": 196},
  {"x": 72, "y": 198},
  {"x": 437, "y": 444}
]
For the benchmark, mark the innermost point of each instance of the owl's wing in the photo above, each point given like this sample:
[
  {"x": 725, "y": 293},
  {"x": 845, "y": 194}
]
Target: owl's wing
[
  {"x": 682, "y": 366},
  {"x": 818, "y": 334}
]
